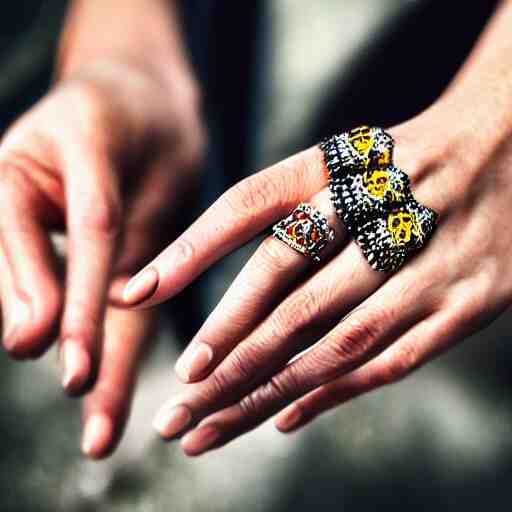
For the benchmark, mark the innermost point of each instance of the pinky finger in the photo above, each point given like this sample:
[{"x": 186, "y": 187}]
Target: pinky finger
[{"x": 421, "y": 343}]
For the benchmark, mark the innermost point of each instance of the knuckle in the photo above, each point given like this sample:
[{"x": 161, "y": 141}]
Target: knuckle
[
  {"x": 103, "y": 216},
  {"x": 399, "y": 364},
  {"x": 80, "y": 325},
  {"x": 13, "y": 181},
  {"x": 253, "y": 194},
  {"x": 485, "y": 289},
  {"x": 266, "y": 397},
  {"x": 241, "y": 368},
  {"x": 300, "y": 310},
  {"x": 249, "y": 405},
  {"x": 287, "y": 384},
  {"x": 358, "y": 336},
  {"x": 220, "y": 383},
  {"x": 184, "y": 249},
  {"x": 241, "y": 364}
]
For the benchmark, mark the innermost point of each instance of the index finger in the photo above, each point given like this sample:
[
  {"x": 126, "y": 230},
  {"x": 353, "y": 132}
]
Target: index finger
[
  {"x": 236, "y": 217},
  {"x": 93, "y": 218}
]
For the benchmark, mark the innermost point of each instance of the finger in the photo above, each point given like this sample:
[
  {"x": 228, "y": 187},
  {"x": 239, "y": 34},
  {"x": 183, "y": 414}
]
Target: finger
[
  {"x": 410, "y": 351},
  {"x": 272, "y": 272},
  {"x": 139, "y": 244},
  {"x": 93, "y": 222},
  {"x": 298, "y": 322},
  {"x": 361, "y": 336},
  {"x": 32, "y": 297},
  {"x": 117, "y": 286},
  {"x": 149, "y": 222},
  {"x": 6, "y": 297},
  {"x": 237, "y": 216},
  {"x": 107, "y": 407}
]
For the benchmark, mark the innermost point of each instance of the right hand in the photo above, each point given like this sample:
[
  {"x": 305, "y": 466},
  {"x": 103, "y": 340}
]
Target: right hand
[{"x": 107, "y": 155}]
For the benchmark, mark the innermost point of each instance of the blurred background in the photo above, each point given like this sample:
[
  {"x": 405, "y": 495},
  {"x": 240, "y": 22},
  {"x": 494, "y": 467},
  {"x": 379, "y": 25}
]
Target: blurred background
[{"x": 440, "y": 440}]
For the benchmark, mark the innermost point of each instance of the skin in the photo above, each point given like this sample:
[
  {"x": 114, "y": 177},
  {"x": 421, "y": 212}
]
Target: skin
[
  {"x": 105, "y": 155},
  {"x": 363, "y": 329}
]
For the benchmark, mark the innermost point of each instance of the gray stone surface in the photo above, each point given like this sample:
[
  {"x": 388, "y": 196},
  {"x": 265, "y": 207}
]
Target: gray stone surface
[{"x": 439, "y": 437}]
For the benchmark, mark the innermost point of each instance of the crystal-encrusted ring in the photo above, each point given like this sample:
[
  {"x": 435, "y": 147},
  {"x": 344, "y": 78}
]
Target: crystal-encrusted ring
[
  {"x": 373, "y": 198},
  {"x": 306, "y": 230}
]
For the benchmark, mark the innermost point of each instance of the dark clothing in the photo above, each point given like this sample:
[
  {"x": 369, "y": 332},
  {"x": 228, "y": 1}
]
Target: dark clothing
[
  {"x": 29, "y": 32},
  {"x": 411, "y": 62}
]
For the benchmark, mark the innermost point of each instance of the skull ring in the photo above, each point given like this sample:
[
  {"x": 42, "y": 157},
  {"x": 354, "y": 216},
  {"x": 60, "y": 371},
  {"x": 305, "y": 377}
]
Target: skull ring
[{"x": 373, "y": 197}]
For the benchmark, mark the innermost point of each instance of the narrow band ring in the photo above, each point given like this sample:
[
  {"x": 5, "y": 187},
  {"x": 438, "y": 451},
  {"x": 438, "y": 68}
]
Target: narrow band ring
[
  {"x": 305, "y": 230},
  {"x": 373, "y": 198}
]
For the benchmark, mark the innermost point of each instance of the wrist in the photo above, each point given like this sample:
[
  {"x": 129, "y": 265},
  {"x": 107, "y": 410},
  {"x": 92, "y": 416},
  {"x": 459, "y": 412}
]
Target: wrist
[{"x": 98, "y": 31}]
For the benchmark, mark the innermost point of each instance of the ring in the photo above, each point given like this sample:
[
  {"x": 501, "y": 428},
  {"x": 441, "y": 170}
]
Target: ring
[
  {"x": 373, "y": 198},
  {"x": 306, "y": 230},
  {"x": 358, "y": 150}
]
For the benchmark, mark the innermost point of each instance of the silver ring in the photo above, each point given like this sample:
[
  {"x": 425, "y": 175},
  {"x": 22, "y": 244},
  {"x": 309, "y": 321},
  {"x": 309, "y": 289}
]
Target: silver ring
[{"x": 305, "y": 230}]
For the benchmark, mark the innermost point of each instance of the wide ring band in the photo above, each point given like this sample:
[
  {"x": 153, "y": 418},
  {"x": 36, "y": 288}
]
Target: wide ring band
[
  {"x": 305, "y": 230},
  {"x": 373, "y": 198}
]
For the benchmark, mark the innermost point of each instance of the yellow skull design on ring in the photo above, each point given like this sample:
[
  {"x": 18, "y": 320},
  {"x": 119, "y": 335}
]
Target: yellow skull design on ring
[
  {"x": 403, "y": 225},
  {"x": 376, "y": 182},
  {"x": 362, "y": 139}
]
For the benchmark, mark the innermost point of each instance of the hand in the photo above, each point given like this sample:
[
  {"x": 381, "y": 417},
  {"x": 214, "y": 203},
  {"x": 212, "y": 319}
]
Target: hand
[
  {"x": 107, "y": 154},
  {"x": 368, "y": 328}
]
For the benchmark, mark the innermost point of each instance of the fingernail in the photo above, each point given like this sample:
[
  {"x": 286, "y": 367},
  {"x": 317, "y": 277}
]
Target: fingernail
[
  {"x": 97, "y": 435},
  {"x": 76, "y": 366},
  {"x": 194, "y": 362},
  {"x": 171, "y": 420},
  {"x": 16, "y": 317},
  {"x": 200, "y": 440},
  {"x": 288, "y": 419},
  {"x": 141, "y": 287}
]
